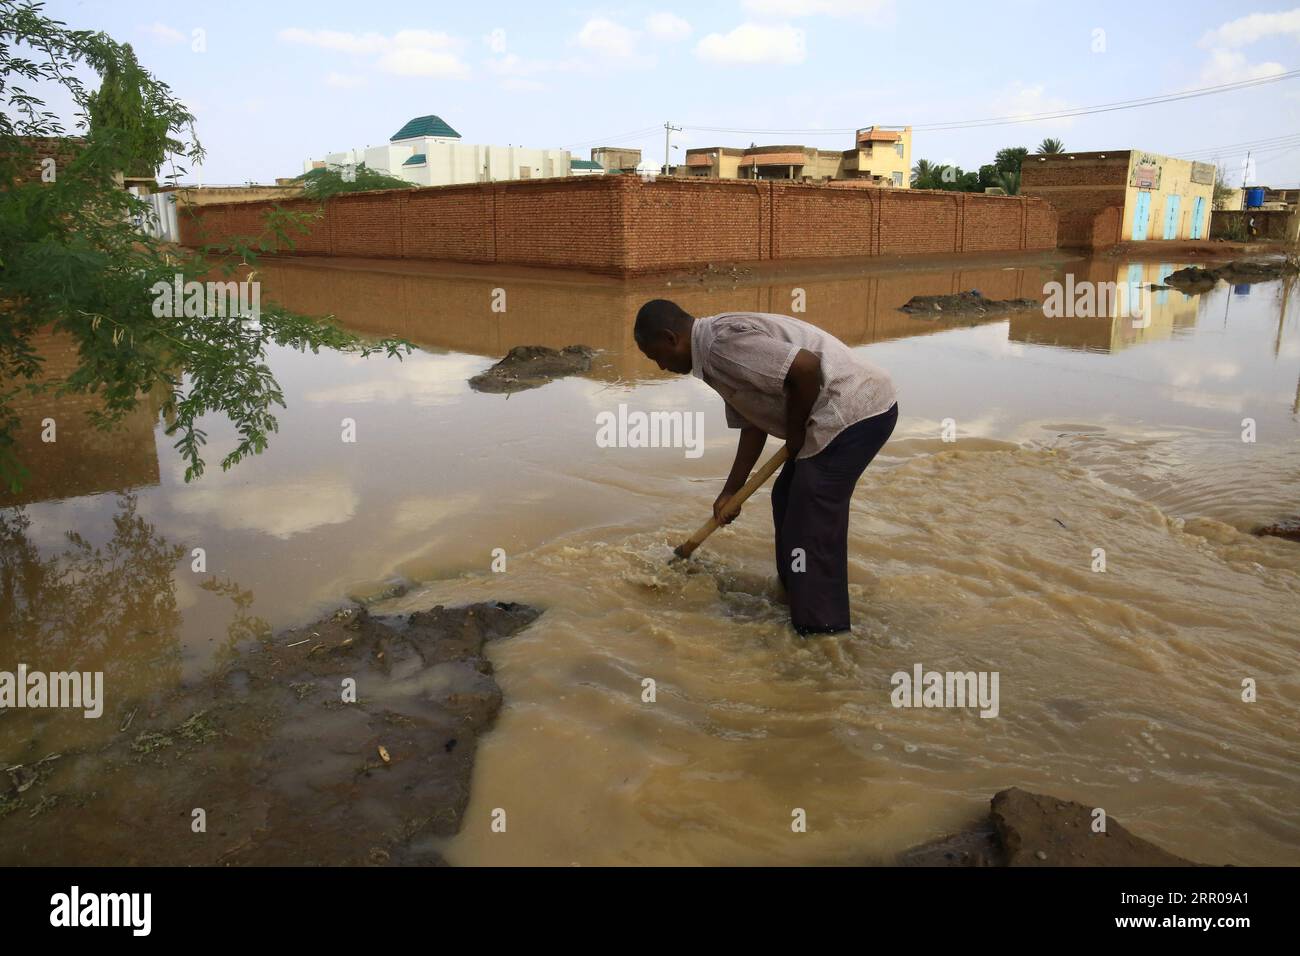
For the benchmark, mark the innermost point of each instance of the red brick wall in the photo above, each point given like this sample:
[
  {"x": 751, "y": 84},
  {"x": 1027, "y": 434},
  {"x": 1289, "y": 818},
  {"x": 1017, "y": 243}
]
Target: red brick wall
[
  {"x": 1081, "y": 190},
  {"x": 676, "y": 222},
  {"x": 620, "y": 225},
  {"x": 1089, "y": 229},
  {"x": 455, "y": 222}
]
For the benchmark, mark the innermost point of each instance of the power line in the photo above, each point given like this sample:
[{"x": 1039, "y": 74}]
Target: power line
[
  {"x": 602, "y": 140},
  {"x": 1241, "y": 149},
  {"x": 1038, "y": 117},
  {"x": 1246, "y": 143}
]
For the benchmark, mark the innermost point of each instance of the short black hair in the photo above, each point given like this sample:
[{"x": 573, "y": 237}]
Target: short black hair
[{"x": 658, "y": 316}]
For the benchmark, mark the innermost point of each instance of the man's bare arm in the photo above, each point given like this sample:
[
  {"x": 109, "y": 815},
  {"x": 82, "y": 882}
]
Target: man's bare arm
[
  {"x": 748, "y": 449},
  {"x": 803, "y": 383}
]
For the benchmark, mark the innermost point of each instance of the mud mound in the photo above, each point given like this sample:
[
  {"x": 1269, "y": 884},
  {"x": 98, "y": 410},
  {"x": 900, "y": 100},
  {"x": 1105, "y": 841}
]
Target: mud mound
[
  {"x": 1288, "y": 528},
  {"x": 1238, "y": 271},
  {"x": 532, "y": 366},
  {"x": 349, "y": 741},
  {"x": 1031, "y": 829},
  {"x": 965, "y": 303}
]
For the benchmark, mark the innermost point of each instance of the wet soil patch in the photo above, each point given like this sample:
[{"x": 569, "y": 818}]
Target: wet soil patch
[
  {"x": 1197, "y": 279},
  {"x": 347, "y": 742},
  {"x": 1031, "y": 829},
  {"x": 532, "y": 366},
  {"x": 965, "y": 303},
  {"x": 1288, "y": 528}
]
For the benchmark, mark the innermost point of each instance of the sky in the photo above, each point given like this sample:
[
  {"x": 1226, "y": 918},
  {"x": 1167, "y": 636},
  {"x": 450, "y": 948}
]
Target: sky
[{"x": 276, "y": 83}]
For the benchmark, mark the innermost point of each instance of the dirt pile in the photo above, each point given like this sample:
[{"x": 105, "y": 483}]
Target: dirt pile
[
  {"x": 532, "y": 366},
  {"x": 1196, "y": 279},
  {"x": 965, "y": 303},
  {"x": 1031, "y": 829},
  {"x": 1288, "y": 528},
  {"x": 349, "y": 741}
]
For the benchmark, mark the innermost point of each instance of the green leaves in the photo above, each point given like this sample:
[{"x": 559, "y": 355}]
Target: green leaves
[{"x": 73, "y": 263}]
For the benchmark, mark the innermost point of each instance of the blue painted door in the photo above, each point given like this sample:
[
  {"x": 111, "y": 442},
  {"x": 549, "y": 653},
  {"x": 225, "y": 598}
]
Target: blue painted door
[
  {"x": 1141, "y": 215},
  {"x": 1171, "y": 216},
  {"x": 1165, "y": 271},
  {"x": 1198, "y": 210}
]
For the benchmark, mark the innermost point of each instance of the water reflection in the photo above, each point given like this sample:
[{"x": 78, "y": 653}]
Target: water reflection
[
  {"x": 1161, "y": 314},
  {"x": 66, "y": 456},
  {"x": 441, "y": 476},
  {"x": 442, "y": 312}
]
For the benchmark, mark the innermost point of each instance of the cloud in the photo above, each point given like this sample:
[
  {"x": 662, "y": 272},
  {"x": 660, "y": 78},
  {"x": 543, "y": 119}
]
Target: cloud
[
  {"x": 1020, "y": 100},
  {"x": 517, "y": 84},
  {"x": 607, "y": 38},
  {"x": 1256, "y": 26},
  {"x": 667, "y": 26},
  {"x": 1229, "y": 66},
  {"x": 412, "y": 61},
  {"x": 165, "y": 34},
  {"x": 344, "y": 81},
  {"x": 422, "y": 381},
  {"x": 281, "y": 509},
  {"x": 753, "y": 43},
  {"x": 790, "y": 9},
  {"x": 405, "y": 53}
]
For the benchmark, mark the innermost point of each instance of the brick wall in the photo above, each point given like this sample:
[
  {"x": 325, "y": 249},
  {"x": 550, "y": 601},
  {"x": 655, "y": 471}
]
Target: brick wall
[
  {"x": 1279, "y": 225},
  {"x": 1086, "y": 191},
  {"x": 1089, "y": 229},
  {"x": 620, "y": 225}
]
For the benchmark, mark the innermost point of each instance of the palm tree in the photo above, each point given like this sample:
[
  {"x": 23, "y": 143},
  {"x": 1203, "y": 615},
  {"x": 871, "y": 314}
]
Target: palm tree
[
  {"x": 1010, "y": 182},
  {"x": 924, "y": 173},
  {"x": 1051, "y": 145}
]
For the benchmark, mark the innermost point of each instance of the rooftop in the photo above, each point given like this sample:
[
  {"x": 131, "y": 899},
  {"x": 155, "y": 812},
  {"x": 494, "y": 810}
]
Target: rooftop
[{"x": 425, "y": 126}]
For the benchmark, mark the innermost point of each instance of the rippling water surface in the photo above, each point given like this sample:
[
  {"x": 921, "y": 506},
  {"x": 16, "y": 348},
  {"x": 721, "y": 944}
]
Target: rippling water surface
[{"x": 1119, "y": 689}]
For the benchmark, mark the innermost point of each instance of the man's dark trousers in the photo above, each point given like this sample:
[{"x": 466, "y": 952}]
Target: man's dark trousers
[{"x": 810, "y": 508}]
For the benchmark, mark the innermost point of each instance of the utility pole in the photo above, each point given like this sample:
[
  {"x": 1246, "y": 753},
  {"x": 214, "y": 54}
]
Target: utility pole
[
  {"x": 669, "y": 129},
  {"x": 1244, "y": 169}
]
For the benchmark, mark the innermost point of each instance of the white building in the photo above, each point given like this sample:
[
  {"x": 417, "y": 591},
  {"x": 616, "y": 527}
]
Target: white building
[{"x": 428, "y": 152}]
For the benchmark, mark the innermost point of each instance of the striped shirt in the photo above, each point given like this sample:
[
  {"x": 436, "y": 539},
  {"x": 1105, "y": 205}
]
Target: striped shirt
[{"x": 744, "y": 357}]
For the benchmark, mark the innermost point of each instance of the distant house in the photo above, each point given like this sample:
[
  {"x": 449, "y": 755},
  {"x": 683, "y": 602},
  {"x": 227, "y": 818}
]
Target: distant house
[
  {"x": 586, "y": 167},
  {"x": 427, "y": 151},
  {"x": 1122, "y": 195},
  {"x": 616, "y": 159},
  {"x": 880, "y": 157}
]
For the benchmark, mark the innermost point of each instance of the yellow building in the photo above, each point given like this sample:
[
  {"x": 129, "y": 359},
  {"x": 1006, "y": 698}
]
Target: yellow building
[
  {"x": 1122, "y": 195},
  {"x": 880, "y": 157}
]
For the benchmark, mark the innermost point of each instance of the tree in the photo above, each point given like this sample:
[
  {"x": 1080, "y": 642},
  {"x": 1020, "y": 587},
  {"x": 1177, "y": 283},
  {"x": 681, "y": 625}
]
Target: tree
[
  {"x": 1008, "y": 160},
  {"x": 1050, "y": 146},
  {"x": 928, "y": 175},
  {"x": 1222, "y": 190},
  {"x": 72, "y": 260},
  {"x": 923, "y": 173},
  {"x": 128, "y": 107},
  {"x": 326, "y": 181},
  {"x": 1009, "y": 182}
]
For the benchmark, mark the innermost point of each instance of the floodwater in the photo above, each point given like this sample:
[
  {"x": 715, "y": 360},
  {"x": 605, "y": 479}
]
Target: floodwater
[{"x": 1120, "y": 688}]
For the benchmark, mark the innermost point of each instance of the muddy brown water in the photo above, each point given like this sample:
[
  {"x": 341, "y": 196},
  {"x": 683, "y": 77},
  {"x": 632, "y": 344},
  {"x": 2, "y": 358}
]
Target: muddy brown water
[{"x": 1121, "y": 689}]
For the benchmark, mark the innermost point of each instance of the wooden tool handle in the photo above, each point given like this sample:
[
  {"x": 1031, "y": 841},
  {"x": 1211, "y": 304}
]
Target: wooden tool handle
[{"x": 687, "y": 547}]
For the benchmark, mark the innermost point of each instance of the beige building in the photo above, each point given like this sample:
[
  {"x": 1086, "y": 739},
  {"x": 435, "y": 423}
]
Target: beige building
[
  {"x": 616, "y": 159},
  {"x": 1145, "y": 195},
  {"x": 880, "y": 157}
]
